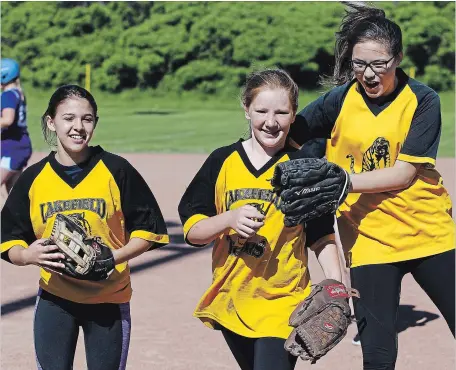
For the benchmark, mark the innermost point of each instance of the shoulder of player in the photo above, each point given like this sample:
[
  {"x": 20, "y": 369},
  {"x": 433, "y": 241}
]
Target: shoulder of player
[
  {"x": 314, "y": 148},
  {"x": 424, "y": 94},
  {"x": 35, "y": 168},
  {"x": 10, "y": 95},
  {"x": 343, "y": 89},
  {"x": 214, "y": 162},
  {"x": 27, "y": 177},
  {"x": 219, "y": 155},
  {"x": 115, "y": 163},
  {"x": 225, "y": 151},
  {"x": 338, "y": 93},
  {"x": 330, "y": 101}
]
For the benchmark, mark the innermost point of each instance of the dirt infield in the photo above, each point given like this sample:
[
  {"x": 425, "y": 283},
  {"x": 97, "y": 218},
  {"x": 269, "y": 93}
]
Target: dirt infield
[{"x": 167, "y": 284}]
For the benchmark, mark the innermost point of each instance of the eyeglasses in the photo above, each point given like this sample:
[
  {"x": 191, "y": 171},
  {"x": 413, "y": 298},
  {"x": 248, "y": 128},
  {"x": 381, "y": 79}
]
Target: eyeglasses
[{"x": 378, "y": 66}]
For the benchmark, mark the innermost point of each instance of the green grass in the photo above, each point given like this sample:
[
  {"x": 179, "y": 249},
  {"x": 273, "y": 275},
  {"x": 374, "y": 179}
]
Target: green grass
[
  {"x": 447, "y": 145},
  {"x": 137, "y": 121}
]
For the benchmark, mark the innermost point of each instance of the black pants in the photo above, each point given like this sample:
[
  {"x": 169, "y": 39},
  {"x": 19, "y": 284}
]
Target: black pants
[
  {"x": 259, "y": 353},
  {"x": 106, "y": 330},
  {"x": 376, "y": 311}
]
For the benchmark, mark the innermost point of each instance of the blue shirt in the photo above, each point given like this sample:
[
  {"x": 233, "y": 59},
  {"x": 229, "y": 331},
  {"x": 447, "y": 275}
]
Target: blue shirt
[
  {"x": 74, "y": 170},
  {"x": 12, "y": 99}
]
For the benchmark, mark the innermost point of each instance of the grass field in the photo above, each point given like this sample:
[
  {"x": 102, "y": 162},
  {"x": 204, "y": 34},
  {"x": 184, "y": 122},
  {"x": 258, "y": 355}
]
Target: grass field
[{"x": 140, "y": 122}]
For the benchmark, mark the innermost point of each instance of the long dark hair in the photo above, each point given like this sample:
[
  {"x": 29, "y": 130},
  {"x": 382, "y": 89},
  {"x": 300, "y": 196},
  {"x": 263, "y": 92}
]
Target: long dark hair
[
  {"x": 61, "y": 94},
  {"x": 362, "y": 22}
]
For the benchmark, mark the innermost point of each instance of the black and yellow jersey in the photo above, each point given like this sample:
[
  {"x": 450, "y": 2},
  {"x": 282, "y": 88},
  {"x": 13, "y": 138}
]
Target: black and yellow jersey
[
  {"x": 108, "y": 196},
  {"x": 364, "y": 135},
  {"x": 257, "y": 282}
]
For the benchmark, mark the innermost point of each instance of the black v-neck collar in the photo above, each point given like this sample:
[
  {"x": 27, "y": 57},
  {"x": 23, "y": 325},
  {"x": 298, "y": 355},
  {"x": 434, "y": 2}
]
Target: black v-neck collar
[
  {"x": 258, "y": 172},
  {"x": 59, "y": 169},
  {"x": 377, "y": 106}
]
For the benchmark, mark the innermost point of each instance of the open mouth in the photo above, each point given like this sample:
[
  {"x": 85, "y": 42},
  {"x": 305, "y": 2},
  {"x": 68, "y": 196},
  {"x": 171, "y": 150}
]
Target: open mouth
[{"x": 371, "y": 84}]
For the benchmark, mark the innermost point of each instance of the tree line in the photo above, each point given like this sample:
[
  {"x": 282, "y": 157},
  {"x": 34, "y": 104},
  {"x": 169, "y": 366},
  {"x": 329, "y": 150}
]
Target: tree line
[{"x": 207, "y": 47}]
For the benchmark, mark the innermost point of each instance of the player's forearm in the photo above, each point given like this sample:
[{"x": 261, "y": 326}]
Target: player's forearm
[
  {"x": 134, "y": 248},
  {"x": 208, "y": 229},
  {"x": 16, "y": 255},
  {"x": 328, "y": 258},
  {"x": 5, "y": 122},
  {"x": 387, "y": 179}
]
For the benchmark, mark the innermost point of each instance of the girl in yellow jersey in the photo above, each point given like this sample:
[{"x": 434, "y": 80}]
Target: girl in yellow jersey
[
  {"x": 260, "y": 266},
  {"x": 112, "y": 201},
  {"x": 384, "y": 128}
]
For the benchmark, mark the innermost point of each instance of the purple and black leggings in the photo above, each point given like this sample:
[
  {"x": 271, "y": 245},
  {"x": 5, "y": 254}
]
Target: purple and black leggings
[
  {"x": 106, "y": 328},
  {"x": 376, "y": 311}
]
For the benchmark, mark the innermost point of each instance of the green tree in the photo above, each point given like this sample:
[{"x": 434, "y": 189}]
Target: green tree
[{"x": 206, "y": 46}]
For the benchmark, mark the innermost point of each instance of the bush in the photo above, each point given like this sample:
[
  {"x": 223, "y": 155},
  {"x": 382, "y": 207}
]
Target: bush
[
  {"x": 438, "y": 78},
  {"x": 151, "y": 70},
  {"x": 119, "y": 72}
]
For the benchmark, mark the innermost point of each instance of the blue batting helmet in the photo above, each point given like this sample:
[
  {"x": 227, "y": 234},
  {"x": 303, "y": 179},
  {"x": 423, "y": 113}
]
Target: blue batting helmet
[{"x": 10, "y": 70}]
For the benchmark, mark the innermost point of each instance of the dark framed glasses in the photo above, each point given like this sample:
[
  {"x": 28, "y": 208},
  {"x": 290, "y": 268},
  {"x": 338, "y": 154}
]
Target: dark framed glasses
[{"x": 378, "y": 66}]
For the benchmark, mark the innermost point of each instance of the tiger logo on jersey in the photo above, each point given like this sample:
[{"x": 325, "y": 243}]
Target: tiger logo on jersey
[
  {"x": 375, "y": 158},
  {"x": 79, "y": 218},
  {"x": 254, "y": 246}
]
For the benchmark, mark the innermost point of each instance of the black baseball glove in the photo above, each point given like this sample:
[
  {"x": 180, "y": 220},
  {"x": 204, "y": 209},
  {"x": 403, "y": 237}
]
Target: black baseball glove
[{"x": 309, "y": 188}]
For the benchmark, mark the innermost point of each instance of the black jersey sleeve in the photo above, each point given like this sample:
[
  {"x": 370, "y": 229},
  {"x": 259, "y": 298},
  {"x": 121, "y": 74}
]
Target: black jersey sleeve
[
  {"x": 16, "y": 228},
  {"x": 198, "y": 201},
  {"x": 422, "y": 141},
  {"x": 199, "y": 197},
  {"x": 317, "y": 119},
  {"x": 142, "y": 214},
  {"x": 143, "y": 217},
  {"x": 314, "y": 148}
]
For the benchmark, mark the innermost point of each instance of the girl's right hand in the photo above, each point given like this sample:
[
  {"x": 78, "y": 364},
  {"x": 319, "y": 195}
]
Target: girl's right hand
[
  {"x": 246, "y": 220},
  {"x": 45, "y": 256}
]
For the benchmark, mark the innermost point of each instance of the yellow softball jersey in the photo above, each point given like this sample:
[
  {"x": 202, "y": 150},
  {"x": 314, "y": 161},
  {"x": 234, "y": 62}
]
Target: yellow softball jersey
[
  {"x": 257, "y": 282},
  {"x": 365, "y": 135},
  {"x": 108, "y": 196}
]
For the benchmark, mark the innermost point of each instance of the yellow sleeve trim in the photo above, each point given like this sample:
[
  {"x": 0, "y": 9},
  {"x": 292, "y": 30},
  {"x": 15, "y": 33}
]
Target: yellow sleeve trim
[
  {"x": 327, "y": 239},
  {"x": 191, "y": 222},
  {"x": 8, "y": 245},
  {"x": 412, "y": 159},
  {"x": 146, "y": 235}
]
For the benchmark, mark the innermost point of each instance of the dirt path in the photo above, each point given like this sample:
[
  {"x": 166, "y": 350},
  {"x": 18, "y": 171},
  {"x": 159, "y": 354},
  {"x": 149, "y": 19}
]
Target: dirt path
[{"x": 168, "y": 283}]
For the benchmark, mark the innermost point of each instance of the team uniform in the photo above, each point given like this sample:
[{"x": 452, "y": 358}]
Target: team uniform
[
  {"x": 388, "y": 234},
  {"x": 112, "y": 201},
  {"x": 16, "y": 145},
  {"x": 257, "y": 282}
]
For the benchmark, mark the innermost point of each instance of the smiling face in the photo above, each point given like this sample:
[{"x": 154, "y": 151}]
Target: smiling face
[
  {"x": 74, "y": 124},
  {"x": 270, "y": 115},
  {"x": 380, "y": 81}
]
